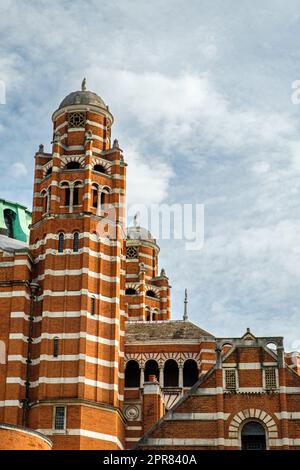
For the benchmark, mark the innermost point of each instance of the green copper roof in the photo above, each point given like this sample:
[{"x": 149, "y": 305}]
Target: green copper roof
[{"x": 14, "y": 220}]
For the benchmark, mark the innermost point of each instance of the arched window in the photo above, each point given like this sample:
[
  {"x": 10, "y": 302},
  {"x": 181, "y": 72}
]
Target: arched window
[
  {"x": 171, "y": 373},
  {"x": 75, "y": 196},
  {"x": 150, "y": 293},
  {"x": 75, "y": 242},
  {"x": 76, "y": 193},
  {"x": 130, "y": 291},
  {"x": 99, "y": 168},
  {"x": 92, "y": 305},
  {"x": 61, "y": 240},
  {"x": 49, "y": 171},
  {"x": 67, "y": 196},
  {"x": 95, "y": 196},
  {"x": 253, "y": 436},
  {"x": 105, "y": 196},
  {"x": 73, "y": 166},
  {"x": 151, "y": 368},
  {"x": 132, "y": 374},
  {"x": 190, "y": 373},
  {"x": 9, "y": 219},
  {"x": 55, "y": 346}
]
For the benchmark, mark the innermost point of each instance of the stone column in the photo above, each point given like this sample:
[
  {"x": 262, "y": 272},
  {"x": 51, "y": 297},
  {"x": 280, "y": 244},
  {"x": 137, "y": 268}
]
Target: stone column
[
  {"x": 71, "y": 198},
  {"x": 99, "y": 202},
  {"x": 161, "y": 377},
  {"x": 142, "y": 377},
  {"x": 180, "y": 378}
]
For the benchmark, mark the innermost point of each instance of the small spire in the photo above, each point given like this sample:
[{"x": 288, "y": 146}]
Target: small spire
[
  {"x": 83, "y": 85},
  {"x": 135, "y": 220},
  {"x": 185, "y": 314},
  {"x": 116, "y": 144}
]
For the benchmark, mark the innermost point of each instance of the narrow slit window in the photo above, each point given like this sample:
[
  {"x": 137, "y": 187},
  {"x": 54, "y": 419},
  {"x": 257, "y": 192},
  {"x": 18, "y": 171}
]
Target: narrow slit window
[
  {"x": 60, "y": 418},
  {"x": 55, "y": 347},
  {"x": 76, "y": 242},
  {"x": 92, "y": 305},
  {"x": 61, "y": 239}
]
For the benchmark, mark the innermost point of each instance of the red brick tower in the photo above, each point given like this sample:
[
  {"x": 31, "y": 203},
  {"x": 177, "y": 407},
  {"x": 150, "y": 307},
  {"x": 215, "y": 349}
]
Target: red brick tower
[
  {"x": 147, "y": 293},
  {"x": 76, "y": 375}
]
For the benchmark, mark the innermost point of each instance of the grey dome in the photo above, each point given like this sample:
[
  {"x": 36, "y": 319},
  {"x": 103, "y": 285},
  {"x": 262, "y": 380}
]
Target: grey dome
[
  {"x": 83, "y": 97},
  {"x": 139, "y": 233}
]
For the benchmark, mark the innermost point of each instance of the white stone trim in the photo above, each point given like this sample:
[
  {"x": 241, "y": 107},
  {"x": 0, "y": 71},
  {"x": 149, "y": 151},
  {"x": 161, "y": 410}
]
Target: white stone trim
[{"x": 86, "y": 433}]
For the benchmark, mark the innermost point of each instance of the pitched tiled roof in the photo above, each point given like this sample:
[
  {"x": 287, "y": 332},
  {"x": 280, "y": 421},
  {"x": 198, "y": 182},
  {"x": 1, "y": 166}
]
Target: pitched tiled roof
[{"x": 163, "y": 330}]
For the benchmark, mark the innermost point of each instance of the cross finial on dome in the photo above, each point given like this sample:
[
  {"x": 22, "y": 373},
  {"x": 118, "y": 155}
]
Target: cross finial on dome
[{"x": 83, "y": 85}]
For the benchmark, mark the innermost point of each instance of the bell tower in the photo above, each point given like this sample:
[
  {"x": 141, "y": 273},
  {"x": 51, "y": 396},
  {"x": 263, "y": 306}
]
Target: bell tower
[{"x": 78, "y": 250}]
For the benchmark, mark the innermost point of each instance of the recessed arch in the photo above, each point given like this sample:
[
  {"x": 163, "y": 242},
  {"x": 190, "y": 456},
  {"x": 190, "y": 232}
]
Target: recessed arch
[
  {"x": 171, "y": 373},
  {"x": 151, "y": 293},
  {"x": 99, "y": 168},
  {"x": 190, "y": 373},
  {"x": 73, "y": 166},
  {"x": 9, "y": 220},
  {"x": 248, "y": 414},
  {"x": 253, "y": 436},
  {"x": 130, "y": 291},
  {"x": 132, "y": 374},
  {"x": 151, "y": 368}
]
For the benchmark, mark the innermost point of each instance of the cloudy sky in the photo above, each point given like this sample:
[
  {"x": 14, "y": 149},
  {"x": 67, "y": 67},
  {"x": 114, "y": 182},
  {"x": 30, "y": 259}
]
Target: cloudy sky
[{"x": 201, "y": 94}]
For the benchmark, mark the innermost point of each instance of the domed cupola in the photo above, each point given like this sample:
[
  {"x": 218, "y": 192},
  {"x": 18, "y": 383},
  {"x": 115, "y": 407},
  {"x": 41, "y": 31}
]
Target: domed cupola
[{"x": 82, "y": 114}]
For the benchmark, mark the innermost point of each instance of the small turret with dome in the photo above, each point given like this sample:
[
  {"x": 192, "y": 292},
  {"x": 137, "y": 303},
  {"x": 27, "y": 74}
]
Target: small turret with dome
[{"x": 148, "y": 294}]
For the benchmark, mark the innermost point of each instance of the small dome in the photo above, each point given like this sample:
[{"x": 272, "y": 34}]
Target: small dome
[
  {"x": 83, "y": 97},
  {"x": 139, "y": 233}
]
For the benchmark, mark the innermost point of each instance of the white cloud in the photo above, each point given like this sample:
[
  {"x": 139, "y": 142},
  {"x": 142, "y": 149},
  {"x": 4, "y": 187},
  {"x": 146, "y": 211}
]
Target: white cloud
[{"x": 18, "y": 170}]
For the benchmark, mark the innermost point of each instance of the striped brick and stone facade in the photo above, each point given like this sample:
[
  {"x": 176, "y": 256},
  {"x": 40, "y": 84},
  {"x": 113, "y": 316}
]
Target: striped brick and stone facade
[{"x": 90, "y": 357}]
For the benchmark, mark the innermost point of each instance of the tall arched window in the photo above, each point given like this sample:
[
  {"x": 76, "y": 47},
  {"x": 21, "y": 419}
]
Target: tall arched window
[
  {"x": 95, "y": 196},
  {"x": 9, "y": 218},
  {"x": 151, "y": 368},
  {"x": 190, "y": 373},
  {"x": 253, "y": 436},
  {"x": 76, "y": 242},
  {"x": 171, "y": 373},
  {"x": 61, "y": 240},
  {"x": 132, "y": 374}
]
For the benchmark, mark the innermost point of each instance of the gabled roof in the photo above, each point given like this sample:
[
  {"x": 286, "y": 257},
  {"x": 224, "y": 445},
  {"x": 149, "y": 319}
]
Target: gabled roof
[{"x": 166, "y": 330}]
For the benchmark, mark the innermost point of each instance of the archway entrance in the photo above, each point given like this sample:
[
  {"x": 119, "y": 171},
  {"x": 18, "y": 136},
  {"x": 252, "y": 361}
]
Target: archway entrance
[{"x": 253, "y": 436}]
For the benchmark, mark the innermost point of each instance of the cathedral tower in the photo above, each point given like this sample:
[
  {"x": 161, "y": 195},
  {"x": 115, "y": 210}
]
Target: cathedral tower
[{"x": 78, "y": 251}]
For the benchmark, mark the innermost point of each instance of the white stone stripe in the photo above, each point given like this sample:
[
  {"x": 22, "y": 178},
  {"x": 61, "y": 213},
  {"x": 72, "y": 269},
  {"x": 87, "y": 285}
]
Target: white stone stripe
[
  {"x": 78, "y": 272},
  {"x": 17, "y": 262},
  {"x": 249, "y": 365},
  {"x": 86, "y": 433},
  {"x": 63, "y": 380},
  {"x": 95, "y": 254},
  {"x": 15, "y": 293},
  {"x": 197, "y": 416},
  {"x": 70, "y": 235},
  {"x": 51, "y": 293},
  {"x": 215, "y": 391},
  {"x": 132, "y": 439},
  {"x": 134, "y": 428},
  {"x": 65, "y": 336},
  {"x": 69, "y": 314},
  {"x": 66, "y": 358},
  {"x": 10, "y": 403},
  {"x": 288, "y": 415}
]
